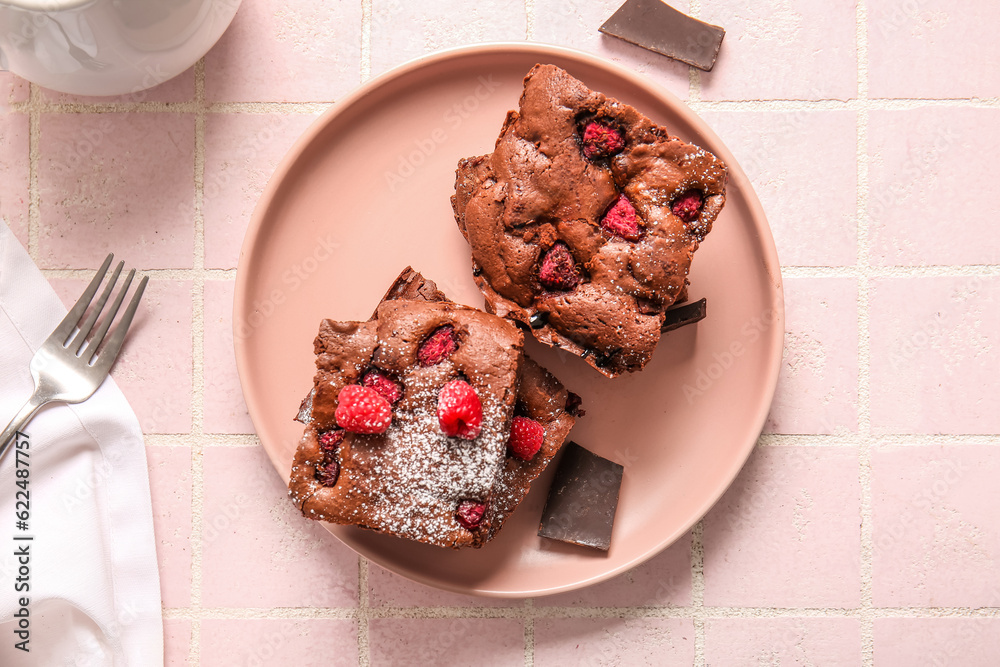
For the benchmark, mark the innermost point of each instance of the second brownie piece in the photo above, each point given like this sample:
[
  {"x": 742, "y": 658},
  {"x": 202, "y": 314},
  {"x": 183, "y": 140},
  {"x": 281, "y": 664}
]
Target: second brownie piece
[{"x": 584, "y": 220}]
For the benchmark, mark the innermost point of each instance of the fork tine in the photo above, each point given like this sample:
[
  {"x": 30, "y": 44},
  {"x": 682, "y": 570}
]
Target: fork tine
[
  {"x": 110, "y": 351},
  {"x": 95, "y": 341},
  {"x": 65, "y": 328},
  {"x": 95, "y": 312}
]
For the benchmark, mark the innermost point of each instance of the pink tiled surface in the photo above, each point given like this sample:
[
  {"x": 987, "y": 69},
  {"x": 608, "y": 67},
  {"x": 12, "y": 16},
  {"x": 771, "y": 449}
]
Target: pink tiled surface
[
  {"x": 562, "y": 642},
  {"x": 251, "y": 533},
  {"x": 275, "y": 643},
  {"x": 862, "y": 531},
  {"x": 99, "y": 190},
  {"x": 241, "y": 153},
  {"x": 913, "y": 174},
  {"x": 935, "y": 535},
  {"x": 735, "y": 642},
  {"x": 951, "y": 642},
  {"x": 14, "y": 173},
  {"x": 403, "y": 30},
  {"x": 286, "y": 51},
  {"x": 926, "y": 49},
  {"x": 492, "y": 642},
  {"x": 176, "y": 642},
  {"x": 935, "y": 349},
  {"x": 785, "y": 50},
  {"x": 806, "y": 181},
  {"x": 170, "y": 482},
  {"x": 224, "y": 409},
  {"x": 817, "y": 387},
  {"x": 787, "y": 532}
]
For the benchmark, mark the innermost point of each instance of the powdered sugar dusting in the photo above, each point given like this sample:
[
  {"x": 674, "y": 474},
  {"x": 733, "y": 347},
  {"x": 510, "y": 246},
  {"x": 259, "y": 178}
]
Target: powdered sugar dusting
[{"x": 421, "y": 474}]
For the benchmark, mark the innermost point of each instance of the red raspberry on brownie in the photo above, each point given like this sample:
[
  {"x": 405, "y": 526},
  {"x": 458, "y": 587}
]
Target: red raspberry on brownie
[
  {"x": 384, "y": 385},
  {"x": 470, "y": 513},
  {"x": 687, "y": 207},
  {"x": 559, "y": 270},
  {"x": 362, "y": 410},
  {"x": 601, "y": 140},
  {"x": 526, "y": 438},
  {"x": 328, "y": 471},
  {"x": 440, "y": 345},
  {"x": 621, "y": 220},
  {"x": 330, "y": 440}
]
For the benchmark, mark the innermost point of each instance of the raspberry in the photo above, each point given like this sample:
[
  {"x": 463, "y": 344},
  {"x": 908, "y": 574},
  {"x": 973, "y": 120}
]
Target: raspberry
[
  {"x": 437, "y": 347},
  {"x": 383, "y": 385},
  {"x": 460, "y": 413},
  {"x": 526, "y": 436},
  {"x": 328, "y": 471},
  {"x": 362, "y": 410},
  {"x": 559, "y": 270},
  {"x": 330, "y": 441},
  {"x": 601, "y": 140},
  {"x": 621, "y": 220},
  {"x": 470, "y": 513},
  {"x": 687, "y": 206}
]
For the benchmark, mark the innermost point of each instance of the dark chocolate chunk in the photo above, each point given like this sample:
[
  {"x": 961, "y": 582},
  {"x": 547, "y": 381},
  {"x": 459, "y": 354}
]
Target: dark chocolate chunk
[
  {"x": 659, "y": 27},
  {"x": 538, "y": 320},
  {"x": 689, "y": 313},
  {"x": 306, "y": 408},
  {"x": 583, "y": 499}
]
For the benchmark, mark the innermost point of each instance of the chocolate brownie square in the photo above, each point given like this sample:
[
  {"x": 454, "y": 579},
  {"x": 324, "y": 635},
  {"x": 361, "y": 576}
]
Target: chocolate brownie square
[
  {"x": 402, "y": 471},
  {"x": 584, "y": 219}
]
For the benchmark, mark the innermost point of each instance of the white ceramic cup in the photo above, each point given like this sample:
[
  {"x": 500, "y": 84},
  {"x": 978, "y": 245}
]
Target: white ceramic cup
[{"x": 108, "y": 47}]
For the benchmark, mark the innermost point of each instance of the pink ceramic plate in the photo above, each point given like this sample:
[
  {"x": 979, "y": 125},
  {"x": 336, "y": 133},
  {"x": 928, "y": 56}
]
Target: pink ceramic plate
[{"x": 365, "y": 192}]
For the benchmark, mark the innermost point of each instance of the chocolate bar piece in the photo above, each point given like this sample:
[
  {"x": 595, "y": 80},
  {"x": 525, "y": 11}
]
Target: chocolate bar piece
[
  {"x": 583, "y": 499},
  {"x": 689, "y": 313},
  {"x": 659, "y": 27}
]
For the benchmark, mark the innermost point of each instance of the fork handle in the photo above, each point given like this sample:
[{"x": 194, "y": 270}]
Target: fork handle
[{"x": 22, "y": 417}]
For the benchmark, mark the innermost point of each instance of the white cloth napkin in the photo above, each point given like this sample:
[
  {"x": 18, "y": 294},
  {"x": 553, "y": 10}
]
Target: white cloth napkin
[{"x": 94, "y": 588}]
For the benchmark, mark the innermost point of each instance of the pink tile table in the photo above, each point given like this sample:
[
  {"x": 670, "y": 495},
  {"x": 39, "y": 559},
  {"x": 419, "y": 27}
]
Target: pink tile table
[{"x": 865, "y": 528}]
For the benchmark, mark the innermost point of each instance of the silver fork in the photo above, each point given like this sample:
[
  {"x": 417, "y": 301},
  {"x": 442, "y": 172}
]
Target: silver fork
[{"x": 68, "y": 367}]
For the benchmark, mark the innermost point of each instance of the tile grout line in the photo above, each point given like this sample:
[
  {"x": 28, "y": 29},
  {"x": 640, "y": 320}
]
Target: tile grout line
[
  {"x": 529, "y": 20},
  {"x": 698, "y": 589},
  {"x": 363, "y": 614},
  {"x": 198, "y": 365},
  {"x": 366, "y": 40},
  {"x": 867, "y": 613},
  {"x": 694, "y": 74},
  {"x": 34, "y": 156},
  {"x": 528, "y": 615}
]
